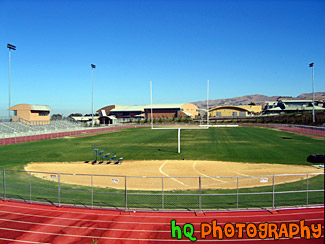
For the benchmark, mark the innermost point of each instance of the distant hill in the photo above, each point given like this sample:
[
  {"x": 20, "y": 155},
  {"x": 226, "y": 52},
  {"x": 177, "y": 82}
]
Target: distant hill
[{"x": 257, "y": 99}]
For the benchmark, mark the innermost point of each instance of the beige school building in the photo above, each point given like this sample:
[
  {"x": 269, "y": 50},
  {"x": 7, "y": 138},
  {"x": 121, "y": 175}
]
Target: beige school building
[
  {"x": 31, "y": 114},
  {"x": 235, "y": 111},
  {"x": 159, "y": 111}
]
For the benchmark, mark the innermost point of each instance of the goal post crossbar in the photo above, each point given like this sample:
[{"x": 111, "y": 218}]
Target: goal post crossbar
[
  {"x": 179, "y": 133},
  {"x": 179, "y": 128}
]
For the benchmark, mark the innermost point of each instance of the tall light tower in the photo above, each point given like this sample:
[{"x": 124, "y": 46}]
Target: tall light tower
[
  {"x": 314, "y": 117},
  {"x": 208, "y": 103},
  {"x": 151, "y": 105},
  {"x": 10, "y": 47},
  {"x": 92, "y": 94}
]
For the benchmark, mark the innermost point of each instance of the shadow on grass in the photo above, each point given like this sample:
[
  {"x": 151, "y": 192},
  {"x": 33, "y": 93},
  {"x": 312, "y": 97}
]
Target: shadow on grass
[
  {"x": 38, "y": 199},
  {"x": 167, "y": 151}
]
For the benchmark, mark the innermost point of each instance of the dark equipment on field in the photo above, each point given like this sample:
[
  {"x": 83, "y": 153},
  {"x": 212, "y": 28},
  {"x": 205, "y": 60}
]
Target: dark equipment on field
[
  {"x": 316, "y": 158},
  {"x": 119, "y": 161},
  {"x": 104, "y": 154}
]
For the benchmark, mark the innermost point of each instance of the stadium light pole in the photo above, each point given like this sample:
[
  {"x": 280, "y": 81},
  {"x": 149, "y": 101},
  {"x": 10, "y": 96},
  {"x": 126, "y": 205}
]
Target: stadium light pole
[
  {"x": 10, "y": 47},
  {"x": 92, "y": 94},
  {"x": 312, "y": 66},
  {"x": 208, "y": 103},
  {"x": 151, "y": 104}
]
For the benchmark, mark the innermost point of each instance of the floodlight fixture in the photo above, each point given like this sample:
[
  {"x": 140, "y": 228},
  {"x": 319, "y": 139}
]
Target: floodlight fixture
[
  {"x": 93, "y": 66},
  {"x": 12, "y": 47}
]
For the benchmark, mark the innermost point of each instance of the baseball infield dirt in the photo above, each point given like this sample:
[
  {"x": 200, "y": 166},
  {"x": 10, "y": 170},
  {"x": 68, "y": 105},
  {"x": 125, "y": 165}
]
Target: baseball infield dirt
[{"x": 171, "y": 174}]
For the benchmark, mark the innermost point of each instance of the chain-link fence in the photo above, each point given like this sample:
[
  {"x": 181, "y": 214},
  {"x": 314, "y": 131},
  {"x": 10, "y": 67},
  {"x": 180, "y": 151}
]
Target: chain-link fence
[{"x": 163, "y": 193}]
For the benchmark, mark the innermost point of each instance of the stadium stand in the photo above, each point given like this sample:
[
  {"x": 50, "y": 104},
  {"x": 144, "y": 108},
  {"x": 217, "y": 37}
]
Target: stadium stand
[{"x": 8, "y": 129}]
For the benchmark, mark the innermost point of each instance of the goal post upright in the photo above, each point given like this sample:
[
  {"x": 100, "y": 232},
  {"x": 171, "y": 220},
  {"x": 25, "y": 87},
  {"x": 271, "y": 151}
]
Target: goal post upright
[
  {"x": 179, "y": 140},
  {"x": 178, "y": 128},
  {"x": 151, "y": 104},
  {"x": 208, "y": 103}
]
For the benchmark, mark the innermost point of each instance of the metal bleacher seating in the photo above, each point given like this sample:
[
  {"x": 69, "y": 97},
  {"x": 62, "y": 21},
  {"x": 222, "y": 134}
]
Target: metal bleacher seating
[{"x": 9, "y": 129}]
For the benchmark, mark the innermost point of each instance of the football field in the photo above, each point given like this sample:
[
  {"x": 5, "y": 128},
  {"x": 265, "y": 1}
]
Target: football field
[{"x": 216, "y": 152}]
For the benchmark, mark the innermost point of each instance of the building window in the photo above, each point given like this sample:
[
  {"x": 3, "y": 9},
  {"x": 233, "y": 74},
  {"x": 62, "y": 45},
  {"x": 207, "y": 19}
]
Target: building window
[
  {"x": 15, "y": 112},
  {"x": 43, "y": 113}
]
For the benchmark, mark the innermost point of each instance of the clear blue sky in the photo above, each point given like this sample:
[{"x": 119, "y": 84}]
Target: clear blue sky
[{"x": 242, "y": 47}]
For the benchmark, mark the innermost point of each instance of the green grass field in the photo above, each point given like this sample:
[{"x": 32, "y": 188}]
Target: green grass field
[{"x": 242, "y": 144}]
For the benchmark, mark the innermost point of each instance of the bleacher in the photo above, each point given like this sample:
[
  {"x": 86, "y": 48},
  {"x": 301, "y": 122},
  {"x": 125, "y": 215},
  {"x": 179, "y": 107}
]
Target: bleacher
[{"x": 8, "y": 129}]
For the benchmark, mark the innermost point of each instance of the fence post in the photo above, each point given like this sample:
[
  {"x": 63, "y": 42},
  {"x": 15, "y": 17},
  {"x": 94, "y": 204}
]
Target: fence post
[
  {"x": 92, "y": 192},
  {"x": 307, "y": 190},
  {"x": 162, "y": 192},
  {"x": 273, "y": 198},
  {"x": 59, "y": 189},
  {"x": 4, "y": 184},
  {"x": 30, "y": 187},
  {"x": 200, "y": 196},
  {"x": 126, "y": 194},
  {"x": 237, "y": 193}
]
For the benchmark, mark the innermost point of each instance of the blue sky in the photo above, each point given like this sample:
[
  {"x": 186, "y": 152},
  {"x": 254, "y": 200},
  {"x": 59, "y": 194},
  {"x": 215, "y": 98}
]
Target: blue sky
[{"x": 242, "y": 47}]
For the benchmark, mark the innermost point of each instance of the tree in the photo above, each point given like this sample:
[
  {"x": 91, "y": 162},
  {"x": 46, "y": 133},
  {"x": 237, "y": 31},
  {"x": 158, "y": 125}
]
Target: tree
[
  {"x": 56, "y": 116},
  {"x": 75, "y": 115}
]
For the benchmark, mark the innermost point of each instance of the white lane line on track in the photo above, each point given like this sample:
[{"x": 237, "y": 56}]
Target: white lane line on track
[
  {"x": 160, "y": 170},
  {"x": 207, "y": 175},
  {"x": 75, "y": 219},
  {"x": 161, "y": 223},
  {"x": 79, "y": 236},
  {"x": 120, "y": 230},
  {"x": 81, "y": 227},
  {"x": 321, "y": 211},
  {"x": 15, "y": 240},
  {"x": 134, "y": 239}
]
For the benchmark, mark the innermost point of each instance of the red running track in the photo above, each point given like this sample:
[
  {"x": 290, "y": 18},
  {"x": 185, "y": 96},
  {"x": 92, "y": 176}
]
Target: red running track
[{"x": 30, "y": 223}]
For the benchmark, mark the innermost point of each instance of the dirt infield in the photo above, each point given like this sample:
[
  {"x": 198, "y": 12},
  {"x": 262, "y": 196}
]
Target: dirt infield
[{"x": 171, "y": 174}]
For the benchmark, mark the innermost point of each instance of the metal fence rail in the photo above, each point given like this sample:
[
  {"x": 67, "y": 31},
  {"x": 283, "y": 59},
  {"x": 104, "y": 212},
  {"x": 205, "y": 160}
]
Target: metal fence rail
[{"x": 30, "y": 186}]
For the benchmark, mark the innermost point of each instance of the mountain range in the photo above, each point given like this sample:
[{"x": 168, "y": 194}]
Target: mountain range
[{"x": 257, "y": 99}]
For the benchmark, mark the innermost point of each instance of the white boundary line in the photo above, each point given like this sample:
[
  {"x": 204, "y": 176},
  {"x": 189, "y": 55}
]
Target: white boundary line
[
  {"x": 207, "y": 175},
  {"x": 160, "y": 170}
]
